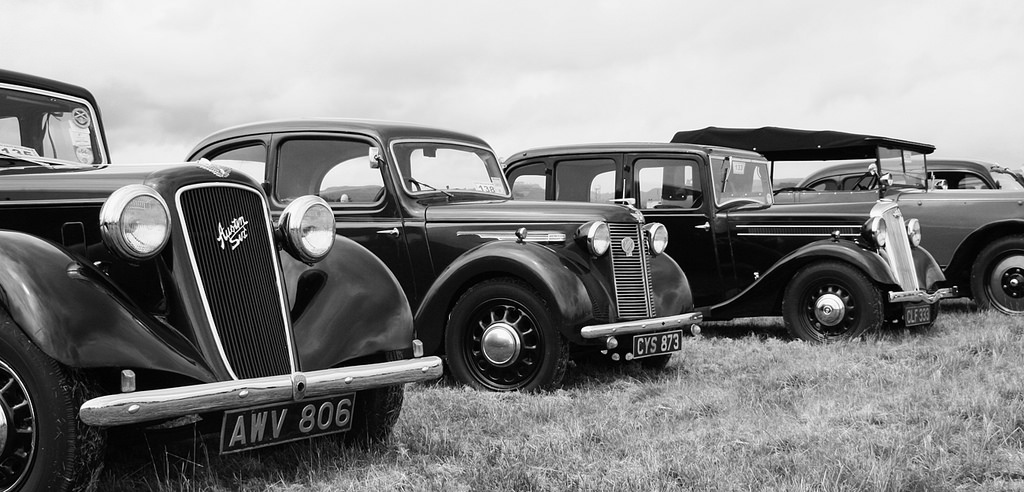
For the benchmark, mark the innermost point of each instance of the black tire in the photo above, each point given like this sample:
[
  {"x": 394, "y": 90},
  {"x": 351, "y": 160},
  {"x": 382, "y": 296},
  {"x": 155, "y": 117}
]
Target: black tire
[
  {"x": 655, "y": 363},
  {"x": 45, "y": 447},
  {"x": 858, "y": 297},
  {"x": 376, "y": 412},
  {"x": 997, "y": 277},
  {"x": 511, "y": 307}
]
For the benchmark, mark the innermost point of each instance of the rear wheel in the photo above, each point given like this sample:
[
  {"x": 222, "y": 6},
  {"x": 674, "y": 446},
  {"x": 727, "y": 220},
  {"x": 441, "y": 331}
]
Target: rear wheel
[
  {"x": 501, "y": 337},
  {"x": 43, "y": 445},
  {"x": 829, "y": 301},
  {"x": 997, "y": 277}
]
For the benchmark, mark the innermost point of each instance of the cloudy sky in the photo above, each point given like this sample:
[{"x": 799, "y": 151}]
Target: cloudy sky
[{"x": 529, "y": 73}]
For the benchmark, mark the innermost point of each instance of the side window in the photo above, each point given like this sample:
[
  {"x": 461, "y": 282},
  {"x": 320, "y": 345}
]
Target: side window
[
  {"x": 587, "y": 180},
  {"x": 10, "y": 131},
  {"x": 339, "y": 171},
  {"x": 529, "y": 183},
  {"x": 667, "y": 183},
  {"x": 250, "y": 159}
]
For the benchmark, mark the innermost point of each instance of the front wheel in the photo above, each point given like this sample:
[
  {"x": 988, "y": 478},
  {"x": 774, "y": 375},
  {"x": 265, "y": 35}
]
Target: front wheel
[
  {"x": 997, "y": 277},
  {"x": 43, "y": 446},
  {"x": 501, "y": 337},
  {"x": 829, "y": 301}
]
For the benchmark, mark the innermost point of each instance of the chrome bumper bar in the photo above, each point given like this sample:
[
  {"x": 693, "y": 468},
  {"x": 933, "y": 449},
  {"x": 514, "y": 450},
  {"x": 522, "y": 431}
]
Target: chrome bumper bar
[
  {"x": 922, "y": 296},
  {"x": 641, "y": 325},
  {"x": 144, "y": 406}
]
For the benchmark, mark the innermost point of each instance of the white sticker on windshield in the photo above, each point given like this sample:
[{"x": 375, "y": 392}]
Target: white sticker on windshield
[
  {"x": 497, "y": 185},
  {"x": 80, "y": 137},
  {"x": 84, "y": 154},
  {"x": 738, "y": 167},
  {"x": 18, "y": 150},
  {"x": 486, "y": 188}
]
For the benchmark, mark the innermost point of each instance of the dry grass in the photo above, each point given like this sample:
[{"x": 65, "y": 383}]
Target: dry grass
[{"x": 744, "y": 408}]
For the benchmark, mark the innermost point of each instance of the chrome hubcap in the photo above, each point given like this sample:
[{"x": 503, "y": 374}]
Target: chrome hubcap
[
  {"x": 500, "y": 344},
  {"x": 17, "y": 429},
  {"x": 829, "y": 310}
]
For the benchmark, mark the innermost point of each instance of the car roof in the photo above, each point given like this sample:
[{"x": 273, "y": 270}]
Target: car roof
[
  {"x": 788, "y": 144},
  {"x": 625, "y": 147},
  {"x": 18, "y": 78},
  {"x": 383, "y": 131}
]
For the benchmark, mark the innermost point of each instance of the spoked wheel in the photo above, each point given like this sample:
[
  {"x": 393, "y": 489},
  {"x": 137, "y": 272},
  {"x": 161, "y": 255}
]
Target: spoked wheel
[
  {"x": 500, "y": 337},
  {"x": 17, "y": 429},
  {"x": 997, "y": 278},
  {"x": 43, "y": 445},
  {"x": 829, "y": 301}
]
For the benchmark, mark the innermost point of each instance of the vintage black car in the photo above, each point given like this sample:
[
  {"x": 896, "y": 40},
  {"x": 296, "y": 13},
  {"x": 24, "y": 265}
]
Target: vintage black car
[
  {"x": 976, "y": 235},
  {"x": 157, "y": 295},
  {"x": 506, "y": 290},
  {"x": 830, "y": 276}
]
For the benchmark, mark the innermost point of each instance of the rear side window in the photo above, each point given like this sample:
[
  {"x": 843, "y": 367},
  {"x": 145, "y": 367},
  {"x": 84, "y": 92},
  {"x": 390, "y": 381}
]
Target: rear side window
[
  {"x": 530, "y": 183},
  {"x": 249, "y": 159},
  {"x": 339, "y": 171}
]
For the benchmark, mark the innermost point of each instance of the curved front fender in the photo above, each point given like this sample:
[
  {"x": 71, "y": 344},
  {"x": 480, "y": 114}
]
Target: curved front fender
[
  {"x": 764, "y": 296},
  {"x": 556, "y": 279},
  {"x": 347, "y": 306},
  {"x": 672, "y": 294},
  {"x": 76, "y": 316},
  {"x": 929, "y": 273}
]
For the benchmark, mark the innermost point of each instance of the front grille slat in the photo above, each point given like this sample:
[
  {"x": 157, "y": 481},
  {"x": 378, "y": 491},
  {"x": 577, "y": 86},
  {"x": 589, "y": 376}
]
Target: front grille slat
[
  {"x": 633, "y": 290},
  {"x": 239, "y": 284}
]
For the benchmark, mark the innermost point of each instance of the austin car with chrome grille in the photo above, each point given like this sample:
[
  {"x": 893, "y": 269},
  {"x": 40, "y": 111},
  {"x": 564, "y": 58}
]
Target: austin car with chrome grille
[
  {"x": 508, "y": 291},
  {"x": 165, "y": 295},
  {"x": 829, "y": 275}
]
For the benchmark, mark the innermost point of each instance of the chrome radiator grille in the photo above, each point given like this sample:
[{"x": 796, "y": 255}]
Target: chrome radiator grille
[
  {"x": 630, "y": 265},
  {"x": 897, "y": 249},
  {"x": 234, "y": 260}
]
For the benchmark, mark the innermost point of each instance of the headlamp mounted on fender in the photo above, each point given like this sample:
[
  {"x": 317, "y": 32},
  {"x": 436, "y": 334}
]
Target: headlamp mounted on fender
[
  {"x": 874, "y": 232},
  {"x": 657, "y": 237},
  {"x": 307, "y": 228},
  {"x": 135, "y": 223},
  {"x": 914, "y": 232}
]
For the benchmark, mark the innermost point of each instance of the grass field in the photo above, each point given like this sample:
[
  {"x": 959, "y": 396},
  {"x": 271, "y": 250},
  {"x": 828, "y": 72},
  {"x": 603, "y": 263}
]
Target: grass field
[{"x": 743, "y": 408}]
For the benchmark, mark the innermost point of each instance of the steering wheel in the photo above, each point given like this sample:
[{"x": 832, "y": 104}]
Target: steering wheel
[{"x": 379, "y": 195}]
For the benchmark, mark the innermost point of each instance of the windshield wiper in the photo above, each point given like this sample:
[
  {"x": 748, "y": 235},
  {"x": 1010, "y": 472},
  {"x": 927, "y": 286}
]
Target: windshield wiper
[{"x": 425, "y": 185}]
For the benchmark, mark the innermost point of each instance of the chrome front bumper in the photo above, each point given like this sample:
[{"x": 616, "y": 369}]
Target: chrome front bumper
[
  {"x": 923, "y": 296},
  {"x": 651, "y": 325},
  {"x": 144, "y": 406}
]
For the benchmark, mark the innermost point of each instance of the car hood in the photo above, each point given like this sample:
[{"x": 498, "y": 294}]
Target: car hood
[
  {"x": 496, "y": 211},
  {"x": 73, "y": 183}
]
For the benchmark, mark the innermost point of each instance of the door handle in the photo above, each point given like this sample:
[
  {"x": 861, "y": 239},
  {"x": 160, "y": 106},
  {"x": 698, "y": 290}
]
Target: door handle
[
  {"x": 704, "y": 227},
  {"x": 393, "y": 232}
]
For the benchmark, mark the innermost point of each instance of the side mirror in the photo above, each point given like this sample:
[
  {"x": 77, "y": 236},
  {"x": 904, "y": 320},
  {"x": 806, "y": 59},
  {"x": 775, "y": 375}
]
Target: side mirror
[
  {"x": 873, "y": 169},
  {"x": 376, "y": 159}
]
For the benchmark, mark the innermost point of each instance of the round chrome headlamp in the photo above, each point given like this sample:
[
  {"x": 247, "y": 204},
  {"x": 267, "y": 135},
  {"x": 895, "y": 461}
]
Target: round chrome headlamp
[
  {"x": 914, "y": 232},
  {"x": 596, "y": 236},
  {"x": 307, "y": 226},
  {"x": 657, "y": 237},
  {"x": 135, "y": 223},
  {"x": 875, "y": 231}
]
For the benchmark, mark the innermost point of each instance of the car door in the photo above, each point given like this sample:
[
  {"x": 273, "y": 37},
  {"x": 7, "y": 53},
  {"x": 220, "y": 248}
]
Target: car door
[{"x": 672, "y": 190}]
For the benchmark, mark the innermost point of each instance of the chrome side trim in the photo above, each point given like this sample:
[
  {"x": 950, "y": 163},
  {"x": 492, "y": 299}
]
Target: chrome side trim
[
  {"x": 923, "y": 296},
  {"x": 144, "y": 406},
  {"x": 651, "y": 325},
  {"x": 269, "y": 226},
  {"x": 531, "y": 236},
  {"x": 825, "y": 230}
]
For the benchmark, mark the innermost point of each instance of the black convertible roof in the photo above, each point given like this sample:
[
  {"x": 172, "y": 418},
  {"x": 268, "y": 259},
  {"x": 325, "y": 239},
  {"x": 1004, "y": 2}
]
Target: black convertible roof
[{"x": 788, "y": 144}]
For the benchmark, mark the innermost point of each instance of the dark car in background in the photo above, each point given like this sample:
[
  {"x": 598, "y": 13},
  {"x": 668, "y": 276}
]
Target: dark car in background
[
  {"x": 830, "y": 275},
  {"x": 943, "y": 174},
  {"x": 506, "y": 290},
  {"x": 976, "y": 235},
  {"x": 166, "y": 295}
]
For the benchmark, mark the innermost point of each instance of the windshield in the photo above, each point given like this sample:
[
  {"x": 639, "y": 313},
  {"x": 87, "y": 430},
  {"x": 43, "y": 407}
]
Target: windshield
[
  {"x": 429, "y": 167},
  {"x": 48, "y": 127},
  {"x": 741, "y": 180}
]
